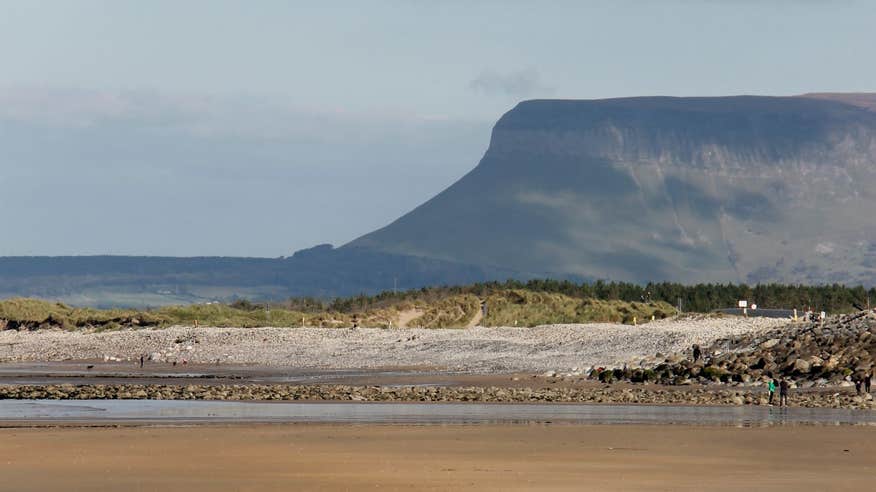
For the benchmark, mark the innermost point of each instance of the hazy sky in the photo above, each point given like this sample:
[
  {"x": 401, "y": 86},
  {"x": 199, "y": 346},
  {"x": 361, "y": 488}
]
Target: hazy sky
[{"x": 257, "y": 128}]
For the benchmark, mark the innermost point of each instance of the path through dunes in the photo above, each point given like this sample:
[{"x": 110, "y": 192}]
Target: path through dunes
[
  {"x": 478, "y": 317},
  {"x": 405, "y": 317}
]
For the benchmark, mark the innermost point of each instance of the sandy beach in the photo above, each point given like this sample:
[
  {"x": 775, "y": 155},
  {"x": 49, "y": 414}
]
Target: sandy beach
[{"x": 451, "y": 457}]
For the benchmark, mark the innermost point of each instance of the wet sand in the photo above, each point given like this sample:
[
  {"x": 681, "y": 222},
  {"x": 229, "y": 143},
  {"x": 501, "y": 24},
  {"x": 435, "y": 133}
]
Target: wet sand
[
  {"x": 97, "y": 372},
  {"x": 451, "y": 457},
  {"x": 77, "y": 372}
]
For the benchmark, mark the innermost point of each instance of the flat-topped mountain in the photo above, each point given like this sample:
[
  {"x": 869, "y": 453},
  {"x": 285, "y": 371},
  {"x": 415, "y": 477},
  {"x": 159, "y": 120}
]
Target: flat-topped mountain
[
  {"x": 740, "y": 189},
  {"x": 716, "y": 189}
]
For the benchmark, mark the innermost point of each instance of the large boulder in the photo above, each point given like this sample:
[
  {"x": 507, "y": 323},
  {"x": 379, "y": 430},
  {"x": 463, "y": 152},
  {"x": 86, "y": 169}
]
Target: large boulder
[
  {"x": 772, "y": 342},
  {"x": 802, "y": 366}
]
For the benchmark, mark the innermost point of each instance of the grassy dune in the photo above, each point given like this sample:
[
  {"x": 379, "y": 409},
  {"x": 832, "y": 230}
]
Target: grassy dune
[
  {"x": 33, "y": 313},
  {"x": 526, "y": 308},
  {"x": 504, "y": 308},
  {"x": 455, "y": 311}
]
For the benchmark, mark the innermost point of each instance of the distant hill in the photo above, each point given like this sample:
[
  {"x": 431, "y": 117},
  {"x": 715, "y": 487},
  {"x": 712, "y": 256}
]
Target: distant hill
[
  {"x": 863, "y": 100},
  {"x": 325, "y": 272},
  {"x": 717, "y": 189}
]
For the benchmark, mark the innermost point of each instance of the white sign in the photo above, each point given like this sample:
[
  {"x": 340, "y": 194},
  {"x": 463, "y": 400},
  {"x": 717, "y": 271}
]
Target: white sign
[{"x": 743, "y": 304}]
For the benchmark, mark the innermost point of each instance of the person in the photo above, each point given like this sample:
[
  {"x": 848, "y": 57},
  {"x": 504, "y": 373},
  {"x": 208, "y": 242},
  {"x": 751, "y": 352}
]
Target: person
[
  {"x": 867, "y": 379},
  {"x": 783, "y": 393},
  {"x": 697, "y": 352},
  {"x": 142, "y": 359},
  {"x": 858, "y": 380},
  {"x": 772, "y": 387}
]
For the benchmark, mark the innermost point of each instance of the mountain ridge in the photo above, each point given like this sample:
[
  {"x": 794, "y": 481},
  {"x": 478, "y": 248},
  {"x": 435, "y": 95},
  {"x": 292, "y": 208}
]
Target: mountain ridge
[{"x": 662, "y": 188}]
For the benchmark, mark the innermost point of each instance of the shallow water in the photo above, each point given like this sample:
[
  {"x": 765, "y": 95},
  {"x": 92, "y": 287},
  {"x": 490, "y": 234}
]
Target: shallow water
[{"x": 176, "y": 411}]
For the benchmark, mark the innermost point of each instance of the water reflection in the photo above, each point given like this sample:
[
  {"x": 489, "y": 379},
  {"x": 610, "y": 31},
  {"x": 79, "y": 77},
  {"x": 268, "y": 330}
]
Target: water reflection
[{"x": 171, "y": 411}]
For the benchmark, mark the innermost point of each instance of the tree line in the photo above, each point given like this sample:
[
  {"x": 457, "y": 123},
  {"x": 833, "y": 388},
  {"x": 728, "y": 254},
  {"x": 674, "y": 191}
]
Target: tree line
[{"x": 833, "y": 298}]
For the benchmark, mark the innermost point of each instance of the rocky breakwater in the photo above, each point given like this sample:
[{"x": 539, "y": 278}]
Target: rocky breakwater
[
  {"x": 811, "y": 354},
  {"x": 608, "y": 394}
]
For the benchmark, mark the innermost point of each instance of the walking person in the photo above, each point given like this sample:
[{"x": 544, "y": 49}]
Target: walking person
[
  {"x": 867, "y": 379},
  {"x": 772, "y": 387},
  {"x": 142, "y": 360},
  {"x": 783, "y": 392}
]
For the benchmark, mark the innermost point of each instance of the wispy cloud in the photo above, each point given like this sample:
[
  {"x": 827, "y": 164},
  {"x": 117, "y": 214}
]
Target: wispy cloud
[
  {"x": 520, "y": 83},
  {"x": 202, "y": 116}
]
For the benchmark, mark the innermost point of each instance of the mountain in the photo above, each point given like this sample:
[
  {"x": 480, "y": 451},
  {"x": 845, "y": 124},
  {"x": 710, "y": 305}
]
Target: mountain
[
  {"x": 716, "y": 189},
  {"x": 693, "y": 189}
]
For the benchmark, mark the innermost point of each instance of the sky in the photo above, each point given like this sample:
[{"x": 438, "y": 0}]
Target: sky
[{"x": 241, "y": 128}]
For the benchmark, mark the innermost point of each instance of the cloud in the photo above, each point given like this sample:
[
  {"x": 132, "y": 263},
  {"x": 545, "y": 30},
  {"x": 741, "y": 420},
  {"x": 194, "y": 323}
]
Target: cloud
[
  {"x": 206, "y": 116},
  {"x": 521, "y": 83},
  {"x": 824, "y": 248}
]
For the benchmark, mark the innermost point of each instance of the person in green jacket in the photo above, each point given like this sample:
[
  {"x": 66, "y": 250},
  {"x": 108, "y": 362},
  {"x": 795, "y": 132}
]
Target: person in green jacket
[{"x": 772, "y": 387}]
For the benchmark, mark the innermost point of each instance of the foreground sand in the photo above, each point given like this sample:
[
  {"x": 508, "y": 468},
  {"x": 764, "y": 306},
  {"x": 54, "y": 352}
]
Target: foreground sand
[{"x": 455, "y": 457}]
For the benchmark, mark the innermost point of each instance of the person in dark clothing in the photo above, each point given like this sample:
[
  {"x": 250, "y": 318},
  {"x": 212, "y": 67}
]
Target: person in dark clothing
[
  {"x": 142, "y": 360},
  {"x": 858, "y": 382},
  {"x": 867, "y": 379},
  {"x": 697, "y": 352},
  {"x": 783, "y": 393}
]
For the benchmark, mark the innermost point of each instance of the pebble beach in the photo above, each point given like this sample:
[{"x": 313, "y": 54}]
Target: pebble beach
[{"x": 476, "y": 350}]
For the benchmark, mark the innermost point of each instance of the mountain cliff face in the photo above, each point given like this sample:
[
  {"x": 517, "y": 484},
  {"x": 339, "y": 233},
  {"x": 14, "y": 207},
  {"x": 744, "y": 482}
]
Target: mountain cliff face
[{"x": 737, "y": 189}]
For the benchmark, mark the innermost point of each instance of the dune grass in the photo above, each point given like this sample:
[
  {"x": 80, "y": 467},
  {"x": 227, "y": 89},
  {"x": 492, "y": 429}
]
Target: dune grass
[
  {"x": 504, "y": 308},
  {"x": 527, "y": 308},
  {"x": 33, "y": 313},
  {"x": 452, "y": 312},
  {"x": 36, "y": 314}
]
